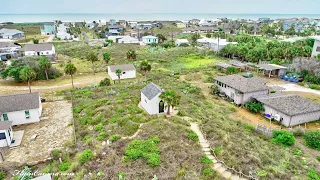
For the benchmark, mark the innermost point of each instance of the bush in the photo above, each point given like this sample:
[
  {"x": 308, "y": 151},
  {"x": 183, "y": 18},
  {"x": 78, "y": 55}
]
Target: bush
[
  {"x": 249, "y": 128},
  {"x": 193, "y": 136},
  {"x": 209, "y": 172},
  {"x": 283, "y": 137},
  {"x": 85, "y": 156},
  {"x": 262, "y": 173},
  {"x": 114, "y": 137},
  {"x": 102, "y": 136},
  {"x": 254, "y": 107},
  {"x": 232, "y": 70},
  {"x": 314, "y": 86},
  {"x": 206, "y": 160},
  {"x": 105, "y": 82},
  {"x": 312, "y": 139},
  {"x": 98, "y": 127},
  {"x": 2, "y": 175},
  {"x": 64, "y": 166},
  {"x": 318, "y": 158},
  {"x": 313, "y": 175}
]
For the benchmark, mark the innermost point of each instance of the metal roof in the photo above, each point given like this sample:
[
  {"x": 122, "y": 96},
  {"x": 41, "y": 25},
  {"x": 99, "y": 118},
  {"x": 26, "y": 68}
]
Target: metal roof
[
  {"x": 270, "y": 67},
  {"x": 38, "y": 47},
  {"x": 9, "y": 32},
  {"x": 222, "y": 64},
  {"x": 151, "y": 90},
  {"x": 19, "y": 102},
  {"x": 123, "y": 67}
]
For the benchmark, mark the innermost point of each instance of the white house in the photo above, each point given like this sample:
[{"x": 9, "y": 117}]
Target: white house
[
  {"x": 241, "y": 89},
  {"x": 6, "y": 133},
  {"x": 128, "y": 40},
  {"x": 9, "y": 50},
  {"x": 316, "y": 46},
  {"x": 10, "y": 33},
  {"x": 150, "y": 100},
  {"x": 128, "y": 71},
  {"x": 181, "y": 41},
  {"x": 289, "y": 110},
  {"x": 63, "y": 32},
  {"x": 39, "y": 50},
  {"x": 21, "y": 108},
  {"x": 217, "y": 45}
]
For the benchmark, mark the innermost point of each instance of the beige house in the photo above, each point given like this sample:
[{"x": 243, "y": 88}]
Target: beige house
[{"x": 241, "y": 89}]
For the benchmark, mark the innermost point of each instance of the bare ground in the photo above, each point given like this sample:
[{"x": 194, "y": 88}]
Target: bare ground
[{"x": 52, "y": 133}]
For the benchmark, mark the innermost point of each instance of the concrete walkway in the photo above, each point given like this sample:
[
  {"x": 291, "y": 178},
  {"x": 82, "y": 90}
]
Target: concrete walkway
[
  {"x": 295, "y": 87},
  {"x": 218, "y": 167}
]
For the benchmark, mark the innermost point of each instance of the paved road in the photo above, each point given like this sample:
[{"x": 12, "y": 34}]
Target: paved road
[{"x": 295, "y": 87}]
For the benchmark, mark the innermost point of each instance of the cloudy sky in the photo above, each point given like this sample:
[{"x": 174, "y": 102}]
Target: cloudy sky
[{"x": 161, "y": 6}]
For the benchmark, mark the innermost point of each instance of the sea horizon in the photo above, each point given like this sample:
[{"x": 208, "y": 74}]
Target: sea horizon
[{"x": 44, "y": 17}]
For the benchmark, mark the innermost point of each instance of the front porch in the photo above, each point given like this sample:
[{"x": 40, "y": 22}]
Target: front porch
[{"x": 17, "y": 138}]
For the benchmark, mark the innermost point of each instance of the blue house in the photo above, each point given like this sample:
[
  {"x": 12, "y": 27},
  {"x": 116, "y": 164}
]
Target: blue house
[
  {"x": 298, "y": 26},
  {"x": 112, "y": 22},
  {"x": 48, "y": 28},
  {"x": 150, "y": 39},
  {"x": 115, "y": 30}
]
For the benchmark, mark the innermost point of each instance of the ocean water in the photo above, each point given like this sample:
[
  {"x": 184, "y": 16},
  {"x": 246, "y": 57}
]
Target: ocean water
[{"x": 20, "y": 18}]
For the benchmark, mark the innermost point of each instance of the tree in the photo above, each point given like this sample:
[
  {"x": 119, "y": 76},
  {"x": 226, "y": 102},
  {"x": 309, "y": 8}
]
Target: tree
[
  {"x": 118, "y": 73},
  {"x": 131, "y": 54},
  {"x": 145, "y": 66},
  {"x": 70, "y": 69},
  {"x": 161, "y": 38},
  {"x": 171, "y": 98},
  {"x": 232, "y": 70},
  {"x": 106, "y": 57},
  {"x": 208, "y": 35},
  {"x": 105, "y": 82},
  {"x": 28, "y": 74},
  {"x": 92, "y": 57},
  {"x": 45, "y": 65},
  {"x": 195, "y": 37},
  {"x": 35, "y": 41}
]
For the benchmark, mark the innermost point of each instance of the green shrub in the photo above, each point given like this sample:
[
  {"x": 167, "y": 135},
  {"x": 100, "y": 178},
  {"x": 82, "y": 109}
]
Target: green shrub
[
  {"x": 262, "y": 173},
  {"x": 56, "y": 154},
  {"x": 105, "y": 82},
  {"x": 232, "y": 70},
  {"x": 297, "y": 152},
  {"x": 313, "y": 175},
  {"x": 314, "y": 86},
  {"x": 193, "y": 136},
  {"x": 312, "y": 139},
  {"x": 218, "y": 149},
  {"x": 206, "y": 160},
  {"x": 209, "y": 172},
  {"x": 64, "y": 166},
  {"x": 85, "y": 156},
  {"x": 147, "y": 149},
  {"x": 98, "y": 127},
  {"x": 2, "y": 175},
  {"x": 283, "y": 137},
  {"x": 114, "y": 137},
  {"x": 254, "y": 107},
  {"x": 121, "y": 175},
  {"x": 318, "y": 158},
  {"x": 249, "y": 128},
  {"x": 86, "y": 138},
  {"x": 102, "y": 136}
]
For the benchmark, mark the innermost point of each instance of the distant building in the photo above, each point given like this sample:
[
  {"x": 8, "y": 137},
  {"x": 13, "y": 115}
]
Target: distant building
[
  {"x": 241, "y": 89},
  {"x": 90, "y": 25},
  {"x": 9, "y": 50},
  {"x": 115, "y": 30},
  {"x": 150, "y": 39},
  {"x": 128, "y": 40},
  {"x": 48, "y": 28},
  {"x": 316, "y": 46},
  {"x": 194, "y": 21},
  {"x": 298, "y": 26},
  {"x": 289, "y": 110},
  {"x": 132, "y": 24},
  {"x": 181, "y": 41},
  {"x": 39, "y": 50},
  {"x": 144, "y": 26},
  {"x": 123, "y": 23},
  {"x": 10, "y": 33},
  {"x": 112, "y": 22},
  {"x": 63, "y": 32},
  {"x": 264, "y": 20},
  {"x": 128, "y": 71},
  {"x": 191, "y": 30}
]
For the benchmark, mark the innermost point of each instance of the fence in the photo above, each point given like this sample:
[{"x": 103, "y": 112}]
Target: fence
[{"x": 232, "y": 169}]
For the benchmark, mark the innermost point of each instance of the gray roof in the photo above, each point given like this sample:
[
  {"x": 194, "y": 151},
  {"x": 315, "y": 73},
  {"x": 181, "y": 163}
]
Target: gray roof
[
  {"x": 5, "y": 125},
  {"x": 243, "y": 84},
  {"x": 237, "y": 63},
  {"x": 49, "y": 23},
  {"x": 6, "y": 31},
  {"x": 123, "y": 67},
  {"x": 223, "y": 65},
  {"x": 19, "y": 102},
  {"x": 38, "y": 47},
  {"x": 151, "y": 90},
  {"x": 271, "y": 67},
  {"x": 289, "y": 104},
  {"x": 8, "y": 44}
]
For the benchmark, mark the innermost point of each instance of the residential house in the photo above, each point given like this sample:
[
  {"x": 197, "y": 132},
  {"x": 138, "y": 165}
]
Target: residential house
[
  {"x": 128, "y": 40},
  {"x": 123, "y": 23},
  {"x": 132, "y": 24},
  {"x": 264, "y": 20},
  {"x": 6, "y": 133},
  {"x": 48, "y": 28},
  {"x": 39, "y": 50},
  {"x": 102, "y": 22},
  {"x": 157, "y": 25},
  {"x": 254, "y": 28},
  {"x": 182, "y": 41},
  {"x": 63, "y": 32},
  {"x": 219, "y": 44},
  {"x": 316, "y": 46},
  {"x": 194, "y": 21},
  {"x": 289, "y": 110},
  {"x": 205, "y": 23},
  {"x": 298, "y": 25},
  {"x": 150, "y": 39},
  {"x": 10, "y": 33},
  {"x": 222, "y": 66},
  {"x": 199, "y": 30},
  {"x": 150, "y": 100},
  {"x": 241, "y": 89},
  {"x": 128, "y": 71},
  {"x": 272, "y": 70},
  {"x": 231, "y": 27},
  {"x": 9, "y": 50},
  {"x": 144, "y": 26},
  {"x": 112, "y": 22},
  {"x": 115, "y": 30},
  {"x": 21, "y": 108},
  {"x": 90, "y": 25}
]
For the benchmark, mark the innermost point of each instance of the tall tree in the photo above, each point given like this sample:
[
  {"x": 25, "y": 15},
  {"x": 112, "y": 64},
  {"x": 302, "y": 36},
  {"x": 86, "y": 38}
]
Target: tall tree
[
  {"x": 145, "y": 66},
  {"x": 92, "y": 57},
  {"x": 131, "y": 54},
  {"x": 118, "y": 73},
  {"x": 28, "y": 74},
  {"x": 70, "y": 69},
  {"x": 171, "y": 98},
  {"x": 106, "y": 57},
  {"x": 161, "y": 37},
  {"x": 45, "y": 65}
]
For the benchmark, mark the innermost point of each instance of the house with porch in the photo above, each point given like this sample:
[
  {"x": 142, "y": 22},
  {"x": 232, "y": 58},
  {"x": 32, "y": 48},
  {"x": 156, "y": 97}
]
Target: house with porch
[
  {"x": 39, "y": 50},
  {"x": 150, "y": 100},
  {"x": 241, "y": 89},
  {"x": 182, "y": 41},
  {"x": 63, "y": 32},
  {"x": 10, "y": 33},
  {"x": 150, "y": 39},
  {"x": 288, "y": 109},
  {"x": 128, "y": 40},
  {"x": 115, "y": 30},
  {"x": 9, "y": 50},
  {"x": 128, "y": 71},
  {"x": 6, "y": 133},
  {"x": 272, "y": 70},
  {"x": 21, "y": 108},
  {"x": 48, "y": 28}
]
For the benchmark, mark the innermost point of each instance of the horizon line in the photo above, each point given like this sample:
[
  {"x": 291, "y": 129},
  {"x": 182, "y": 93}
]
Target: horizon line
[{"x": 163, "y": 13}]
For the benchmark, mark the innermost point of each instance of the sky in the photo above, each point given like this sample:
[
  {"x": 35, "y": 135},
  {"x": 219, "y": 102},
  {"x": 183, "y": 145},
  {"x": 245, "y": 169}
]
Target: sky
[{"x": 161, "y": 6}]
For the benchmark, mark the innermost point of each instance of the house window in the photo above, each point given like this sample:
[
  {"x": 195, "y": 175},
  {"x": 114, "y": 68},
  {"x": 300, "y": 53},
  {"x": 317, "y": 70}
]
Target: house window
[
  {"x": 2, "y": 136},
  {"x": 124, "y": 73},
  {"x": 47, "y": 52},
  {"x": 5, "y": 117},
  {"x": 145, "y": 101},
  {"x": 27, "y": 113}
]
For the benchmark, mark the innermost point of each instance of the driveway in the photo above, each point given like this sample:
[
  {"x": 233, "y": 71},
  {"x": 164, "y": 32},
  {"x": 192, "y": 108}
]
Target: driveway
[
  {"x": 50, "y": 39},
  {"x": 295, "y": 87}
]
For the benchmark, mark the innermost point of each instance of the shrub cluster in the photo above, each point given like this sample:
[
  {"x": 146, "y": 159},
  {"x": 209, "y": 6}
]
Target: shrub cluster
[
  {"x": 85, "y": 156},
  {"x": 283, "y": 137},
  {"x": 193, "y": 136},
  {"x": 312, "y": 139}
]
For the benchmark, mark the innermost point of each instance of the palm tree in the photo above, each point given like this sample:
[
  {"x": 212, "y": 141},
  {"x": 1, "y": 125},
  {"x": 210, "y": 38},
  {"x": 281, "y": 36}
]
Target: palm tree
[
  {"x": 28, "y": 74},
  {"x": 131, "y": 54},
  {"x": 171, "y": 98},
  {"x": 70, "y": 69},
  {"x": 145, "y": 66},
  {"x": 92, "y": 57},
  {"x": 45, "y": 65},
  {"x": 119, "y": 73}
]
